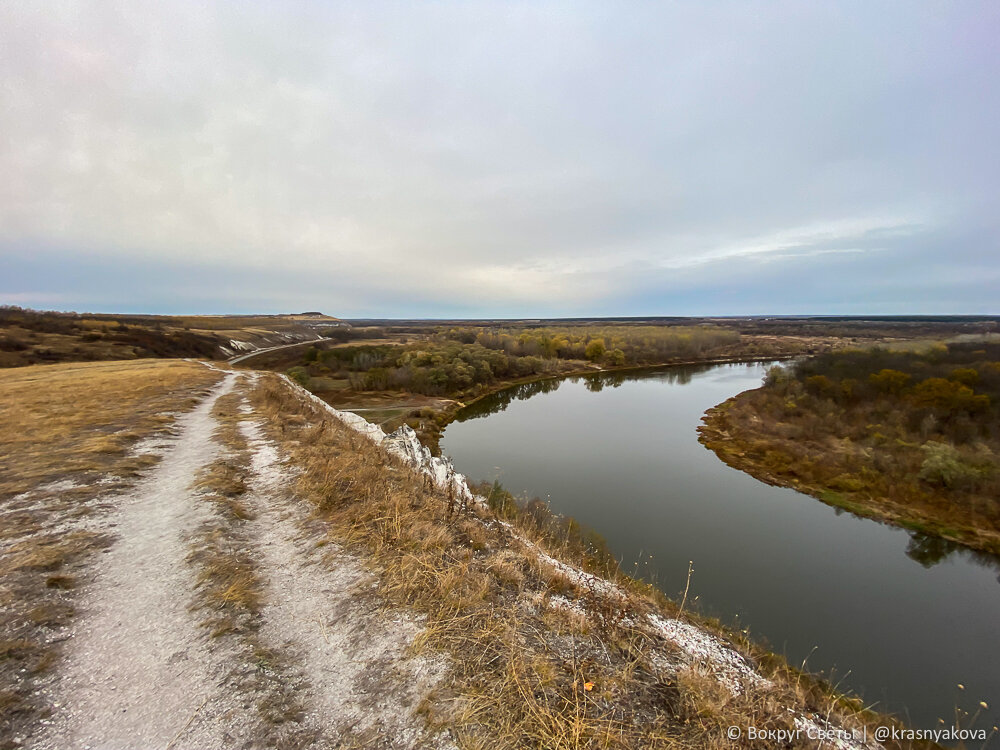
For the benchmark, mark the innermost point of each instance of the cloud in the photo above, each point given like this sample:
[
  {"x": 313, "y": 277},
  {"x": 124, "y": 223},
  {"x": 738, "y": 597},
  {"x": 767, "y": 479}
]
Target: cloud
[{"x": 496, "y": 158}]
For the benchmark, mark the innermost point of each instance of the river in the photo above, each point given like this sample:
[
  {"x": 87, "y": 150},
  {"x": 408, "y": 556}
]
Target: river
[{"x": 898, "y": 618}]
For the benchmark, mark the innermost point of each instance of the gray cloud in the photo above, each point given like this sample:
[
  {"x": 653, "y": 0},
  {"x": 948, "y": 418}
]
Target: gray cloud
[{"x": 500, "y": 158}]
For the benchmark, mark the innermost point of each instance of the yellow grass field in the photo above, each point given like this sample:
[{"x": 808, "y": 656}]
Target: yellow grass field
[{"x": 64, "y": 419}]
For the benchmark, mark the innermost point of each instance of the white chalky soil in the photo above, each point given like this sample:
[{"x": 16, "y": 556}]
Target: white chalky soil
[{"x": 138, "y": 673}]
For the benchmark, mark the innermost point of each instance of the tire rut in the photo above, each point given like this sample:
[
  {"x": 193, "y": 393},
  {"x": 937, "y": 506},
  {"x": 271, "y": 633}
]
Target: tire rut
[
  {"x": 320, "y": 612},
  {"x": 138, "y": 671}
]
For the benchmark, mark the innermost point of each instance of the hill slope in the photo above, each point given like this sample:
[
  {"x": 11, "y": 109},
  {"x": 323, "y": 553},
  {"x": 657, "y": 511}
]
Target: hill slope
[{"x": 31, "y": 337}]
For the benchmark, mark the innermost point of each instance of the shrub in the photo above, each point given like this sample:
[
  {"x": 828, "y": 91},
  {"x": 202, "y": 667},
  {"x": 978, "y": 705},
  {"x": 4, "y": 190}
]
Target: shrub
[
  {"x": 819, "y": 385},
  {"x": 776, "y": 375},
  {"x": 948, "y": 395},
  {"x": 944, "y": 465},
  {"x": 299, "y": 375},
  {"x": 595, "y": 349}
]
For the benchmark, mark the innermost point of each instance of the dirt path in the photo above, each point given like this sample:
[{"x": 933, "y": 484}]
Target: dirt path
[
  {"x": 244, "y": 357},
  {"x": 357, "y": 681},
  {"x": 138, "y": 673},
  {"x": 140, "y": 670}
]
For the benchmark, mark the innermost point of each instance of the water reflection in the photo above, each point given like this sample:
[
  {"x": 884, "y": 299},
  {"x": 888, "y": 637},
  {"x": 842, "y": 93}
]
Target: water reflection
[
  {"x": 595, "y": 383},
  {"x": 929, "y": 550},
  {"x": 498, "y": 402},
  {"x": 907, "y": 616}
]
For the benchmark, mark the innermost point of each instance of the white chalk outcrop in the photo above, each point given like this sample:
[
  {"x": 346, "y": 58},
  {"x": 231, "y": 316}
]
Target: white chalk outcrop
[
  {"x": 406, "y": 446},
  {"x": 699, "y": 646}
]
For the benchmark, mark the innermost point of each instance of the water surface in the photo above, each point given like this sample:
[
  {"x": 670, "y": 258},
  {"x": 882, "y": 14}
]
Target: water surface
[{"x": 899, "y": 618}]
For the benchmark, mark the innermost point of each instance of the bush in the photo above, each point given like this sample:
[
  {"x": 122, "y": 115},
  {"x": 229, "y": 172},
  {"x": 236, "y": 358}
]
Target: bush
[
  {"x": 948, "y": 395},
  {"x": 595, "y": 349},
  {"x": 945, "y": 466},
  {"x": 776, "y": 375},
  {"x": 299, "y": 375},
  {"x": 819, "y": 385}
]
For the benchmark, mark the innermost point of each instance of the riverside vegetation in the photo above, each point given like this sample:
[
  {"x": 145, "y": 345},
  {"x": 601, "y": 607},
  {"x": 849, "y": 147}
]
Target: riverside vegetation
[
  {"x": 466, "y": 361},
  {"x": 423, "y": 382},
  {"x": 909, "y": 437},
  {"x": 421, "y": 372}
]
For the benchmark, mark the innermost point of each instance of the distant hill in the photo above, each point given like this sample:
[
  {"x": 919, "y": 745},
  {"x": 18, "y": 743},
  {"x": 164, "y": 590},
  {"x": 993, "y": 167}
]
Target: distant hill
[{"x": 39, "y": 337}]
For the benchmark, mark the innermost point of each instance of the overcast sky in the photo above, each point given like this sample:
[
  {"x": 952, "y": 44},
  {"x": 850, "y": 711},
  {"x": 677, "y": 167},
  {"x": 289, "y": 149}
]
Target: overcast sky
[{"x": 501, "y": 159}]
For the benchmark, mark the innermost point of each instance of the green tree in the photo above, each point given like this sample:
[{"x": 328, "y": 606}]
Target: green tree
[
  {"x": 889, "y": 381},
  {"x": 947, "y": 395},
  {"x": 595, "y": 349},
  {"x": 944, "y": 465},
  {"x": 300, "y": 376},
  {"x": 965, "y": 376}
]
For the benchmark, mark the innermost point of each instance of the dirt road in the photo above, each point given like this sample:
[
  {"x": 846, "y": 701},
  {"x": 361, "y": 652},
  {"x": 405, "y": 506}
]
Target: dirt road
[
  {"x": 244, "y": 357},
  {"x": 142, "y": 670}
]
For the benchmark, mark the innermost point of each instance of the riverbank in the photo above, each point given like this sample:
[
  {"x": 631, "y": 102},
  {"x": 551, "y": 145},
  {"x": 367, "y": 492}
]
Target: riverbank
[
  {"x": 621, "y": 455},
  {"x": 735, "y": 432},
  {"x": 430, "y": 431},
  {"x": 533, "y": 631}
]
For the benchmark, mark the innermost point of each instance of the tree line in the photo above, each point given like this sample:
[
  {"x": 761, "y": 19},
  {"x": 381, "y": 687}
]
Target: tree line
[{"x": 462, "y": 360}]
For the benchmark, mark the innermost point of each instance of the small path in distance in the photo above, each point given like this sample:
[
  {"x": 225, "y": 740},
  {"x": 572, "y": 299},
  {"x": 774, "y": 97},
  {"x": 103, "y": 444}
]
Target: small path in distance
[{"x": 243, "y": 357}]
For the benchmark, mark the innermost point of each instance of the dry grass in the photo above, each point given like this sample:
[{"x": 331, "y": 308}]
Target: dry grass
[
  {"x": 230, "y": 592},
  {"x": 82, "y": 418},
  {"x": 30, "y": 338},
  {"x": 525, "y": 673},
  {"x": 65, "y": 427},
  {"x": 228, "y": 586}
]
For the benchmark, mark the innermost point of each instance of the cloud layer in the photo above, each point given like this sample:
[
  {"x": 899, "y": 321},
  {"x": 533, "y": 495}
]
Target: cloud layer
[{"x": 500, "y": 159}]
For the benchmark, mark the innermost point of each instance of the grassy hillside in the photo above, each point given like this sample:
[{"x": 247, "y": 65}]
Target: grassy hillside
[{"x": 31, "y": 337}]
